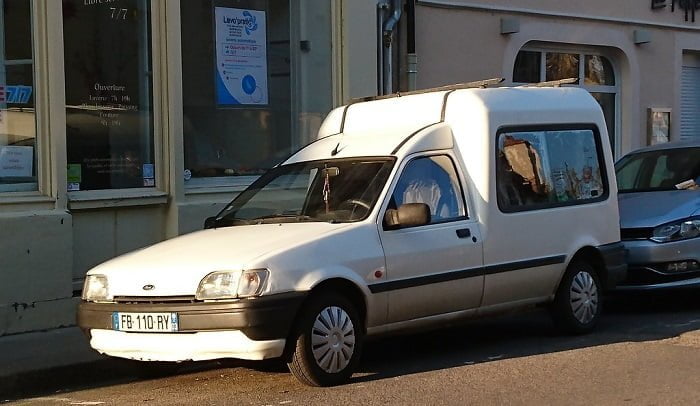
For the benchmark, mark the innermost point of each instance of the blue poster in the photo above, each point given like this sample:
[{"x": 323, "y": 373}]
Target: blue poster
[{"x": 241, "y": 57}]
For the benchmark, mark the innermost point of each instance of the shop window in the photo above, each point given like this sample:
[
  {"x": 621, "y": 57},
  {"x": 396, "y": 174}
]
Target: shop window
[
  {"x": 251, "y": 95},
  {"x": 432, "y": 181},
  {"x": 18, "y": 141},
  {"x": 109, "y": 100},
  {"x": 527, "y": 67},
  {"x": 597, "y": 75},
  {"x": 548, "y": 168},
  {"x": 599, "y": 71},
  {"x": 562, "y": 66}
]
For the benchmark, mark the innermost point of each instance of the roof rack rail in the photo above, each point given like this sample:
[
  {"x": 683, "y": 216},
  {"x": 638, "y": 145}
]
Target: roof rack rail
[
  {"x": 553, "y": 83},
  {"x": 469, "y": 85}
]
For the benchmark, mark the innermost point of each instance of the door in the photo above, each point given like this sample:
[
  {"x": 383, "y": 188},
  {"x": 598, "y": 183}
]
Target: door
[{"x": 434, "y": 268}]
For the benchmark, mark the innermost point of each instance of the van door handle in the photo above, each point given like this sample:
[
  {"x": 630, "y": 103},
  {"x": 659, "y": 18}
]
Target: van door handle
[{"x": 464, "y": 233}]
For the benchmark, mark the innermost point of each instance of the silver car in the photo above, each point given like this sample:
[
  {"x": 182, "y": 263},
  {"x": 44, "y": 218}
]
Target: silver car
[{"x": 659, "y": 201}]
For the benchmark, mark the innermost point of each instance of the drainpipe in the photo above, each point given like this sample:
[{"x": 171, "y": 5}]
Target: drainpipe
[
  {"x": 411, "y": 57},
  {"x": 382, "y": 10},
  {"x": 388, "y": 39}
]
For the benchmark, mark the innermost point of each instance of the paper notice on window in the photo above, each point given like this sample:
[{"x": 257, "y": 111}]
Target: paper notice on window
[
  {"x": 241, "y": 57},
  {"x": 16, "y": 162}
]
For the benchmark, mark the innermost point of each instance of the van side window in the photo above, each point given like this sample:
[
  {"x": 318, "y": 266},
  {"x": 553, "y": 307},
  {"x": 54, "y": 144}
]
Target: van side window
[
  {"x": 431, "y": 180},
  {"x": 549, "y": 168}
]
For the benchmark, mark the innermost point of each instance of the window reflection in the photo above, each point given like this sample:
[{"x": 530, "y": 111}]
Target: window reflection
[
  {"x": 562, "y": 66},
  {"x": 544, "y": 168},
  {"x": 18, "y": 145},
  {"x": 599, "y": 71},
  {"x": 109, "y": 108},
  {"x": 527, "y": 67}
]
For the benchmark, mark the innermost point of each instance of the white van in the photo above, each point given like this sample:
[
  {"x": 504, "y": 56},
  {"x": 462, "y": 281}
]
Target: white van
[{"x": 408, "y": 211}]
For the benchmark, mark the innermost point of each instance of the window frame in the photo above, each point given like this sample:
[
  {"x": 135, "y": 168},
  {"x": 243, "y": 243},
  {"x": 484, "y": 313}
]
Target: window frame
[
  {"x": 397, "y": 176},
  {"x": 41, "y": 190},
  {"x": 140, "y": 196},
  {"x": 582, "y": 52},
  {"x": 545, "y": 128}
]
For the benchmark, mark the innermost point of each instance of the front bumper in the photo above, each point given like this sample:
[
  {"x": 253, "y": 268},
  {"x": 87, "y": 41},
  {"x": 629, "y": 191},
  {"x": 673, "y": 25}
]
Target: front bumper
[
  {"x": 615, "y": 262},
  {"x": 177, "y": 347},
  {"x": 647, "y": 265},
  {"x": 254, "y": 328}
]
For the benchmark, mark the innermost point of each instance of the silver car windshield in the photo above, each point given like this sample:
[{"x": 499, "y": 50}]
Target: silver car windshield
[
  {"x": 340, "y": 190},
  {"x": 664, "y": 169}
]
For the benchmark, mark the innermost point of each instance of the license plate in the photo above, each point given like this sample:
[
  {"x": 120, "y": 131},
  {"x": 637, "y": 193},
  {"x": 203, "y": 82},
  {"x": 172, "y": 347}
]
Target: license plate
[{"x": 145, "y": 322}]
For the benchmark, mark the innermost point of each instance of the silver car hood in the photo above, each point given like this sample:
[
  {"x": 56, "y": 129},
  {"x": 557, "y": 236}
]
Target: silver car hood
[{"x": 651, "y": 209}]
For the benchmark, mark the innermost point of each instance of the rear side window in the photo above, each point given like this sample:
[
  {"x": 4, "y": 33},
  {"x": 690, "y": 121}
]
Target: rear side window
[{"x": 549, "y": 167}]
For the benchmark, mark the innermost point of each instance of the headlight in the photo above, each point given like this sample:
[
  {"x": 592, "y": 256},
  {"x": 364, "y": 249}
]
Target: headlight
[
  {"x": 252, "y": 282},
  {"x": 680, "y": 230},
  {"x": 232, "y": 284},
  {"x": 96, "y": 289}
]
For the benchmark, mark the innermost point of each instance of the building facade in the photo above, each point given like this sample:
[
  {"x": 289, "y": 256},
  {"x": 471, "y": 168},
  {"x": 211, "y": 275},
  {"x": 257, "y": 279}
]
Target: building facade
[
  {"x": 639, "y": 59},
  {"x": 126, "y": 122}
]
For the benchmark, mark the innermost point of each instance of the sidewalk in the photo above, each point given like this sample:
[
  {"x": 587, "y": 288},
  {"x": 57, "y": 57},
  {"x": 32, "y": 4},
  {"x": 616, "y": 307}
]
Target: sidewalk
[{"x": 39, "y": 356}]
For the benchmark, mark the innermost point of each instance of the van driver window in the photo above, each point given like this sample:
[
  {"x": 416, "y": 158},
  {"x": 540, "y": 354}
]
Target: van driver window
[
  {"x": 432, "y": 181},
  {"x": 537, "y": 169}
]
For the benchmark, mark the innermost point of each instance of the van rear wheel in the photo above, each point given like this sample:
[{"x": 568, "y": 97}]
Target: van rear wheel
[
  {"x": 578, "y": 302},
  {"x": 328, "y": 341}
]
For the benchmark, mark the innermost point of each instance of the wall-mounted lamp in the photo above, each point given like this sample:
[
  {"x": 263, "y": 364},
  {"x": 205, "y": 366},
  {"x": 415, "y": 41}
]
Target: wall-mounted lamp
[
  {"x": 642, "y": 37},
  {"x": 510, "y": 26}
]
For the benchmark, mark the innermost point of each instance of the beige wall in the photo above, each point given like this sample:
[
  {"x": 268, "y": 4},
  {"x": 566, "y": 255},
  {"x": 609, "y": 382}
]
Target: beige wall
[
  {"x": 619, "y": 10},
  {"x": 649, "y": 74}
]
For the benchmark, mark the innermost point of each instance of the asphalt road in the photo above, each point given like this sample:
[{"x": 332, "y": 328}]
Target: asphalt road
[{"x": 646, "y": 351}]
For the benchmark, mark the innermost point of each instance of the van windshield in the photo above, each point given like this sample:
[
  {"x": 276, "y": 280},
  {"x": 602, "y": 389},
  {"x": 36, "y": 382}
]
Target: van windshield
[
  {"x": 664, "y": 169},
  {"x": 339, "y": 190}
]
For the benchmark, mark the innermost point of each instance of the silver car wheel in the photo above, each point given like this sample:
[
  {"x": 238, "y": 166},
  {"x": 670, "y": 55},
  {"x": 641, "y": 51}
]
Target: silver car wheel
[
  {"x": 333, "y": 339},
  {"x": 584, "y": 297}
]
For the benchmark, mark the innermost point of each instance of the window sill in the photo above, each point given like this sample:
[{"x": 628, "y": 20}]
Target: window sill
[
  {"x": 101, "y": 199},
  {"x": 20, "y": 201}
]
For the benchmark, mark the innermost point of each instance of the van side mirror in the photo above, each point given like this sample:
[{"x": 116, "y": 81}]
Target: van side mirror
[
  {"x": 210, "y": 222},
  {"x": 407, "y": 215}
]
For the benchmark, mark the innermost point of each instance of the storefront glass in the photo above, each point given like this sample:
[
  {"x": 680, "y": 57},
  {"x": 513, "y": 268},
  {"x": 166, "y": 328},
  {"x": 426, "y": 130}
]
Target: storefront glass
[
  {"x": 256, "y": 84},
  {"x": 109, "y": 101},
  {"x": 18, "y": 143}
]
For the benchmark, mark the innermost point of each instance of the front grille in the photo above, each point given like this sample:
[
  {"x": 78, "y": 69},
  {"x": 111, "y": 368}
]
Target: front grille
[
  {"x": 650, "y": 275},
  {"x": 636, "y": 233},
  {"x": 154, "y": 299}
]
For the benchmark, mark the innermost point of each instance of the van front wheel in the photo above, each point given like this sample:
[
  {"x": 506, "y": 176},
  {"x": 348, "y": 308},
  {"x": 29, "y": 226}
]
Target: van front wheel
[
  {"x": 328, "y": 341},
  {"x": 578, "y": 302}
]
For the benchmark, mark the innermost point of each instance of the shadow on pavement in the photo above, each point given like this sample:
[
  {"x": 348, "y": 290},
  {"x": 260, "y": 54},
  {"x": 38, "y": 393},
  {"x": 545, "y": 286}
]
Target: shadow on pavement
[{"x": 628, "y": 317}]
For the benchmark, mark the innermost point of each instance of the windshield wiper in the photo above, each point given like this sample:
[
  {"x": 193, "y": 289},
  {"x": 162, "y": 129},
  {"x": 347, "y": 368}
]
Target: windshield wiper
[{"x": 283, "y": 216}]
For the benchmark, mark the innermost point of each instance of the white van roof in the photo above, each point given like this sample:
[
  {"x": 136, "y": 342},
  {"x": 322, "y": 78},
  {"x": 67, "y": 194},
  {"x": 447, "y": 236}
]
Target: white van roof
[{"x": 379, "y": 127}]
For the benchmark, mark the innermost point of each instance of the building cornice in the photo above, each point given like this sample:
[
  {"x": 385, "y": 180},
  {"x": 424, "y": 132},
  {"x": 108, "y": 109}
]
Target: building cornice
[{"x": 466, "y": 5}]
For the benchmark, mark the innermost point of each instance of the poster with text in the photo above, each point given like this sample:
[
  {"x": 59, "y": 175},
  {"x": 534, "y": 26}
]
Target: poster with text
[{"x": 241, "y": 57}]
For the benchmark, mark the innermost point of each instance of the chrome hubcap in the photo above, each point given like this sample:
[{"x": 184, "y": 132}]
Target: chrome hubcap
[
  {"x": 584, "y": 297},
  {"x": 333, "y": 339}
]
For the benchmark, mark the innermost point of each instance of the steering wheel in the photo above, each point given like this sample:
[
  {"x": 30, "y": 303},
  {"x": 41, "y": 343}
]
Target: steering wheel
[{"x": 356, "y": 202}]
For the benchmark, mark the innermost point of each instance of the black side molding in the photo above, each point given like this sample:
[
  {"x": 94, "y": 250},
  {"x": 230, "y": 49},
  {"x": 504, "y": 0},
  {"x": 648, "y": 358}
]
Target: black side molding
[{"x": 466, "y": 273}]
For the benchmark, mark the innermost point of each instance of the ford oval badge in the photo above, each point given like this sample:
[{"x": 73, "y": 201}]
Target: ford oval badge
[{"x": 148, "y": 287}]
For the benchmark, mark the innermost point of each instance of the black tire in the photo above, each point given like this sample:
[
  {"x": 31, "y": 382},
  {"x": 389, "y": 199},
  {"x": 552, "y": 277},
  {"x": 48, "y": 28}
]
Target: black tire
[
  {"x": 577, "y": 305},
  {"x": 303, "y": 363}
]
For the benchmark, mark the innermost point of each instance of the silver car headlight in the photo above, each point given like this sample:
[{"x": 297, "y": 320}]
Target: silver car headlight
[
  {"x": 681, "y": 230},
  {"x": 96, "y": 289},
  {"x": 223, "y": 285}
]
